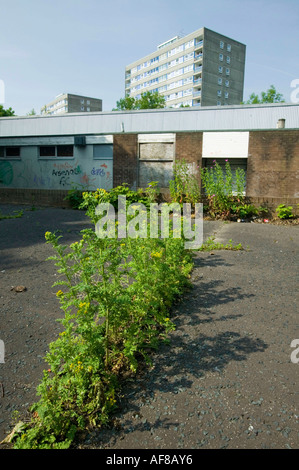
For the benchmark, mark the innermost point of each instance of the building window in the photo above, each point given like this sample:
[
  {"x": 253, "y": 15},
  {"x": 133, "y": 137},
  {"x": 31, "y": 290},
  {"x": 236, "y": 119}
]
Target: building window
[
  {"x": 65, "y": 151},
  {"x": 219, "y": 81},
  {"x": 219, "y": 92},
  {"x": 47, "y": 151},
  {"x": 218, "y": 103},
  {"x": 103, "y": 151},
  {"x": 226, "y": 94},
  {"x": 82, "y": 101},
  {"x": 220, "y": 69},
  {"x": 14, "y": 152},
  {"x": 61, "y": 151},
  {"x": 88, "y": 102},
  {"x": 226, "y": 82},
  {"x": 228, "y": 59},
  {"x": 221, "y": 44},
  {"x": 227, "y": 71},
  {"x": 221, "y": 57},
  {"x": 82, "y": 108},
  {"x": 88, "y": 109},
  {"x": 229, "y": 48}
]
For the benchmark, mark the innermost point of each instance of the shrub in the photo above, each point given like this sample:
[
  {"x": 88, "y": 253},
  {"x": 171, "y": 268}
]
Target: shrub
[
  {"x": 224, "y": 192},
  {"x": 116, "y": 295},
  {"x": 284, "y": 212},
  {"x": 184, "y": 187}
]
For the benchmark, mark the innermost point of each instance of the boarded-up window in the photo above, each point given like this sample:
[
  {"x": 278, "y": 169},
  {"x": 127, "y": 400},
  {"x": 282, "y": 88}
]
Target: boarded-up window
[
  {"x": 156, "y": 154},
  {"x": 225, "y": 145},
  {"x": 156, "y": 151},
  {"x": 155, "y": 171}
]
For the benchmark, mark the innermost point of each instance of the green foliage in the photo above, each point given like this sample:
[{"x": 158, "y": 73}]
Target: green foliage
[
  {"x": 152, "y": 191},
  {"x": 244, "y": 211},
  {"x": 210, "y": 245},
  {"x": 185, "y": 186},
  {"x": 6, "y": 112},
  {"x": 75, "y": 196},
  {"x": 148, "y": 100},
  {"x": 14, "y": 215},
  {"x": 92, "y": 199},
  {"x": 284, "y": 212},
  {"x": 116, "y": 298},
  {"x": 151, "y": 100},
  {"x": 125, "y": 104},
  {"x": 270, "y": 96},
  {"x": 224, "y": 192}
]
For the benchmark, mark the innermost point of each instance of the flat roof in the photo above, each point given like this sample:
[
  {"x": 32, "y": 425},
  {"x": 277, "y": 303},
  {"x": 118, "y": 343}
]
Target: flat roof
[{"x": 215, "y": 118}]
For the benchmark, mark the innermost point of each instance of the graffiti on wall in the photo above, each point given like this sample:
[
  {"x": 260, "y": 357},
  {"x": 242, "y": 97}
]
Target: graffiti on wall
[
  {"x": 56, "y": 175},
  {"x": 102, "y": 171},
  {"x": 65, "y": 174}
]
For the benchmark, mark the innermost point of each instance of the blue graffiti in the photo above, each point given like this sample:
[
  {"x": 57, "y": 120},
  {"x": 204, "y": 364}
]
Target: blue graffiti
[{"x": 98, "y": 171}]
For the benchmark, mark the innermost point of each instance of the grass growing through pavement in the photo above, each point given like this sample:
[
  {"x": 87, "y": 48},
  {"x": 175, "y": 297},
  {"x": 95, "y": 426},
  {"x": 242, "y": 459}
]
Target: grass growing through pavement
[
  {"x": 210, "y": 245},
  {"x": 14, "y": 215}
]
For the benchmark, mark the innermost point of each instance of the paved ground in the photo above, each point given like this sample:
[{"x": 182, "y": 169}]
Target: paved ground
[{"x": 226, "y": 380}]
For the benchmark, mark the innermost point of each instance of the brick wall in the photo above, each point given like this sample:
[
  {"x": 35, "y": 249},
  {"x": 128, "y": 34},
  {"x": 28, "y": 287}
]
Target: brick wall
[
  {"x": 272, "y": 168},
  {"x": 189, "y": 148},
  {"x": 273, "y": 165},
  {"x": 125, "y": 163},
  {"x": 34, "y": 197}
]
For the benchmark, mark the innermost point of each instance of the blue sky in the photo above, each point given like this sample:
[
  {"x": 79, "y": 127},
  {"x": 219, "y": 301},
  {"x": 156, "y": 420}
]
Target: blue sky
[{"x": 49, "y": 47}]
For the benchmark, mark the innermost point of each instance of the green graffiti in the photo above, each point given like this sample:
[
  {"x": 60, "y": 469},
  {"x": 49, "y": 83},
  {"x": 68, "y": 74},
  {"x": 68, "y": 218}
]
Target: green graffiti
[{"x": 6, "y": 173}]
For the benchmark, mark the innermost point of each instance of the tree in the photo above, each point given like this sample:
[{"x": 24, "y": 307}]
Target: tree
[
  {"x": 6, "y": 112},
  {"x": 32, "y": 112},
  {"x": 125, "y": 104},
  {"x": 148, "y": 100},
  {"x": 270, "y": 96}
]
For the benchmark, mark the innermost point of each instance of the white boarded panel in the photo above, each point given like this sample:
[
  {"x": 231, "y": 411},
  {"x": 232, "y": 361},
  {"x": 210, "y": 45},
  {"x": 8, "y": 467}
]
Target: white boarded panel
[
  {"x": 156, "y": 151},
  {"x": 156, "y": 137},
  {"x": 225, "y": 144},
  {"x": 161, "y": 172}
]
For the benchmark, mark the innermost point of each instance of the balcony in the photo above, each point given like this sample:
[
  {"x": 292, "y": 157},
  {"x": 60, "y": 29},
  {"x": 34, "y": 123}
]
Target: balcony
[
  {"x": 196, "y": 93},
  {"x": 197, "y": 69},
  {"x": 197, "y": 82},
  {"x": 197, "y": 57},
  {"x": 198, "y": 44}
]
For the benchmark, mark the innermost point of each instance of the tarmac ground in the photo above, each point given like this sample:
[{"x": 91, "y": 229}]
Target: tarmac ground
[{"x": 228, "y": 379}]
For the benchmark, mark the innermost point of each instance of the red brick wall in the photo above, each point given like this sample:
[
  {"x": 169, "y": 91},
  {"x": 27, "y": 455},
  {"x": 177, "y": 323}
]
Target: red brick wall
[
  {"x": 34, "y": 197},
  {"x": 273, "y": 164},
  {"x": 125, "y": 162},
  {"x": 189, "y": 147}
]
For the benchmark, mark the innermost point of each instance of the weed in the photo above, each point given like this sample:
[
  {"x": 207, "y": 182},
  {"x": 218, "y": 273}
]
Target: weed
[
  {"x": 211, "y": 245},
  {"x": 14, "y": 215},
  {"x": 284, "y": 212},
  {"x": 115, "y": 295}
]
